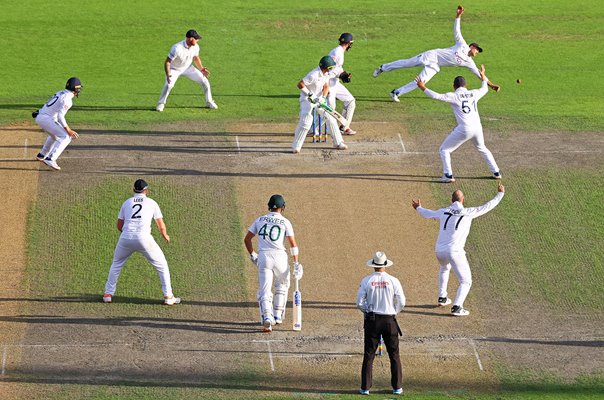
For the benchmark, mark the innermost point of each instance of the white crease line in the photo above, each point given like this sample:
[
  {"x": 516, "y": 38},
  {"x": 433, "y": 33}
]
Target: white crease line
[
  {"x": 402, "y": 144},
  {"x": 25, "y": 149},
  {"x": 4, "y": 361},
  {"x": 238, "y": 147},
  {"x": 270, "y": 355},
  {"x": 476, "y": 354}
]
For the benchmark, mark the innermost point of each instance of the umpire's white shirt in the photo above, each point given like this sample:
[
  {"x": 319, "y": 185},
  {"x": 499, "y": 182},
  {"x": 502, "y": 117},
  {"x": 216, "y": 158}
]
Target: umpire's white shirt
[
  {"x": 314, "y": 82},
  {"x": 381, "y": 293},
  {"x": 271, "y": 230},
  {"x": 182, "y": 56},
  {"x": 464, "y": 103},
  {"x": 56, "y": 108},
  {"x": 137, "y": 213},
  {"x": 455, "y": 223}
]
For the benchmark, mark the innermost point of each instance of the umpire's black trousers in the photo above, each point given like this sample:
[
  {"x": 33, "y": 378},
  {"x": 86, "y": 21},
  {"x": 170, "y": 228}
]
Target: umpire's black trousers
[{"x": 374, "y": 326}]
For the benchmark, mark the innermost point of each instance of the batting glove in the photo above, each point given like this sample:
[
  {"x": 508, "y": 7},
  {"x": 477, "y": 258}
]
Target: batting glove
[
  {"x": 298, "y": 270},
  {"x": 254, "y": 258}
]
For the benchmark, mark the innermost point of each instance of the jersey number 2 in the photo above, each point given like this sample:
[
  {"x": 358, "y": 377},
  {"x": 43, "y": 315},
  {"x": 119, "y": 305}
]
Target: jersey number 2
[{"x": 139, "y": 207}]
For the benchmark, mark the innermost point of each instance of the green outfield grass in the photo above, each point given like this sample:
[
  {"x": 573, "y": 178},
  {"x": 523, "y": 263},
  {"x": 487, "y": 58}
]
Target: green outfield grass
[{"x": 257, "y": 51}]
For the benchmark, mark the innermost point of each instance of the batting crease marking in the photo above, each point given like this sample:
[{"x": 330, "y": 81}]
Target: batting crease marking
[
  {"x": 25, "y": 149},
  {"x": 402, "y": 144},
  {"x": 476, "y": 354},
  {"x": 4, "y": 360},
  {"x": 270, "y": 355}
]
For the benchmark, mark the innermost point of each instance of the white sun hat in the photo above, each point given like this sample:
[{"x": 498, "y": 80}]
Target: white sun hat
[{"x": 379, "y": 260}]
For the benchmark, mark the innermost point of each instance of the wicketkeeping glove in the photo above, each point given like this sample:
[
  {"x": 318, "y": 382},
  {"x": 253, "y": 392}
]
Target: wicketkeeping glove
[
  {"x": 345, "y": 77},
  {"x": 298, "y": 270}
]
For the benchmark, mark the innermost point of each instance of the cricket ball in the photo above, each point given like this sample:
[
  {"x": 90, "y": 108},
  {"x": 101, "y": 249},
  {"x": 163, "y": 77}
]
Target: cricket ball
[{"x": 518, "y": 80}]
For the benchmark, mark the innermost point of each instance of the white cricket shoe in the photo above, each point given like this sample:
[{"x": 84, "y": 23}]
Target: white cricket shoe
[
  {"x": 160, "y": 107},
  {"x": 52, "y": 164},
  {"x": 107, "y": 298},
  {"x": 443, "y": 301},
  {"x": 397, "y": 391},
  {"x": 394, "y": 96},
  {"x": 459, "y": 311},
  {"x": 377, "y": 71},
  {"x": 171, "y": 300},
  {"x": 446, "y": 178},
  {"x": 364, "y": 392},
  {"x": 211, "y": 105},
  {"x": 296, "y": 151},
  {"x": 40, "y": 157},
  {"x": 497, "y": 175},
  {"x": 267, "y": 324},
  {"x": 348, "y": 131},
  {"x": 341, "y": 146},
  {"x": 278, "y": 320}
]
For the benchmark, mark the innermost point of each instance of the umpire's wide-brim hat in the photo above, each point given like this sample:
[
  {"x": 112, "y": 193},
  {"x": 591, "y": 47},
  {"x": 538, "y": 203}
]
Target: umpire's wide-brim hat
[{"x": 379, "y": 260}]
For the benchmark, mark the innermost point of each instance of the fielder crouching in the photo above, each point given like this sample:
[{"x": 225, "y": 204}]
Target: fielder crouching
[{"x": 314, "y": 88}]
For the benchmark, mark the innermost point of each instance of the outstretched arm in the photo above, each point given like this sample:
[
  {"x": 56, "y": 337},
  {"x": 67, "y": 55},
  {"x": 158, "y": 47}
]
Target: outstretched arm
[{"x": 457, "y": 26}]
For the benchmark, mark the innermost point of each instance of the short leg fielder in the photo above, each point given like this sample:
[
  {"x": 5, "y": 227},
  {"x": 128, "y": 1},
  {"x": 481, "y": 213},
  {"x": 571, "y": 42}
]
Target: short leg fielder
[
  {"x": 58, "y": 138},
  {"x": 152, "y": 252},
  {"x": 459, "y": 262},
  {"x": 192, "y": 73},
  {"x": 305, "y": 123},
  {"x": 458, "y": 137},
  {"x": 340, "y": 92}
]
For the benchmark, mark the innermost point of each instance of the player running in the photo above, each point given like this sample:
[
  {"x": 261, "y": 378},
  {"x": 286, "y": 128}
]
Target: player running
[{"x": 459, "y": 55}]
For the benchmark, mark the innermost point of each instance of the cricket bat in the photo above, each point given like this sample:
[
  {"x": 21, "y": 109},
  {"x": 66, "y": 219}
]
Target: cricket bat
[
  {"x": 339, "y": 117},
  {"x": 297, "y": 308}
]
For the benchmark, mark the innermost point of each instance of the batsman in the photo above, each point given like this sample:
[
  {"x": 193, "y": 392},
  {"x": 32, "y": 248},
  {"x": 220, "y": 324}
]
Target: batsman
[{"x": 272, "y": 261}]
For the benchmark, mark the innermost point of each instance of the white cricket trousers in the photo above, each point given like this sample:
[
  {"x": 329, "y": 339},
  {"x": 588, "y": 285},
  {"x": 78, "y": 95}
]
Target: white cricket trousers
[
  {"x": 340, "y": 92},
  {"x": 305, "y": 123},
  {"x": 459, "y": 262},
  {"x": 148, "y": 248},
  {"x": 430, "y": 69},
  {"x": 193, "y": 74},
  {"x": 272, "y": 268},
  {"x": 57, "y": 139},
  {"x": 459, "y": 136}
]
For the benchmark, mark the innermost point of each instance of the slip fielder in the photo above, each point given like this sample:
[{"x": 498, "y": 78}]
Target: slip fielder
[
  {"x": 459, "y": 55},
  {"x": 336, "y": 89}
]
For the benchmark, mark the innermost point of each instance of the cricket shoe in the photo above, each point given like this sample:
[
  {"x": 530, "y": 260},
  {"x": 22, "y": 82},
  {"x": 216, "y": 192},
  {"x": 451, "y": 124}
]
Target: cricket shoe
[
  {"x": 443, "y": 301},
  {"x": 447, "y": 178},
  {"x": 341, "y": 146},
  {"x": 459, "y": 311},
  {"x": 394, "y": 96},
  {"x": 497, "y": 175},
  {"x": 40, "y": 157},
  {"x": 377, "y": 71},
  {"x": 364, "y": 392},
  {"x": 107, "y": 298},
  {"x": 52, "y": 164},
  {"x": 348, "y": 131},
  {"x": 211, "y": 105},
  {"x": 397, "y": 391},
  {"x": 267, "y": 324},
  {"x": 171, "y": 300},
  {"x": 160, "y": 107},
  {"x": 296, "y": 151},
  {"x": 278, "y": 320}
]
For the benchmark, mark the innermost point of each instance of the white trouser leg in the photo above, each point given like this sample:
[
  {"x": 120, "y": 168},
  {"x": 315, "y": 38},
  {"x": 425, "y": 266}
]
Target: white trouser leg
[
  {"x": 425, "y": 75},
  {"x": 460, "y": 266},
  {"x": 281, "y": 276},
  {"x": 443, "y": 275},
  {"x": 123, "y": 250},
  {"x": 486, "y": 154},
  {"x": 332, "y": 127},
  {"x": 404, "y": 63},
  {"x": 304, "y": 124},
  {"x": 455, "y": 139},
  {"x": 57, "y": 140},
  {"x": 195, "y": 75},
  {"x": 344, "y": 95},
  {"x": 265, "y": 284},
  {"x": 163, "y": 97},
  {"x": 154, "y": 254}
]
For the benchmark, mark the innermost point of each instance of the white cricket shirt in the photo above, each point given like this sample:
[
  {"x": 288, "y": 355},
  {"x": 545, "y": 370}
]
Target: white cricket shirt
[
  {"x": 57, "y": 107},
  {"x": 137, "y": 213},
  {"x": 380, "y": 293},
  {"x": 271, "y": 230},
  {"x": 464, "y": 103},
  {"x": 314, "y": 82},
  {"x": 455, "y": 222},
  {"x": 182, "y": 56},
  {"x": 338, "y": 55}
]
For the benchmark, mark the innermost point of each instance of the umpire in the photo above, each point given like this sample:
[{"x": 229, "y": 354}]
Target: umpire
[{"x": 381, "y": 297}]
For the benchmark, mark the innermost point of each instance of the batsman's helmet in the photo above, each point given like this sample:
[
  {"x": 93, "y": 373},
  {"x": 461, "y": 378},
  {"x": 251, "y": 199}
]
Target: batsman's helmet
[
  {"x": 276, "y": 201},
  {"x": 345, "y": 38},
  {"x": 459, "y": 81},
  {"x": 74, "y": 85},
  {"x": 327, "y": 62},
  {"x": 140, "y": 185}
]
